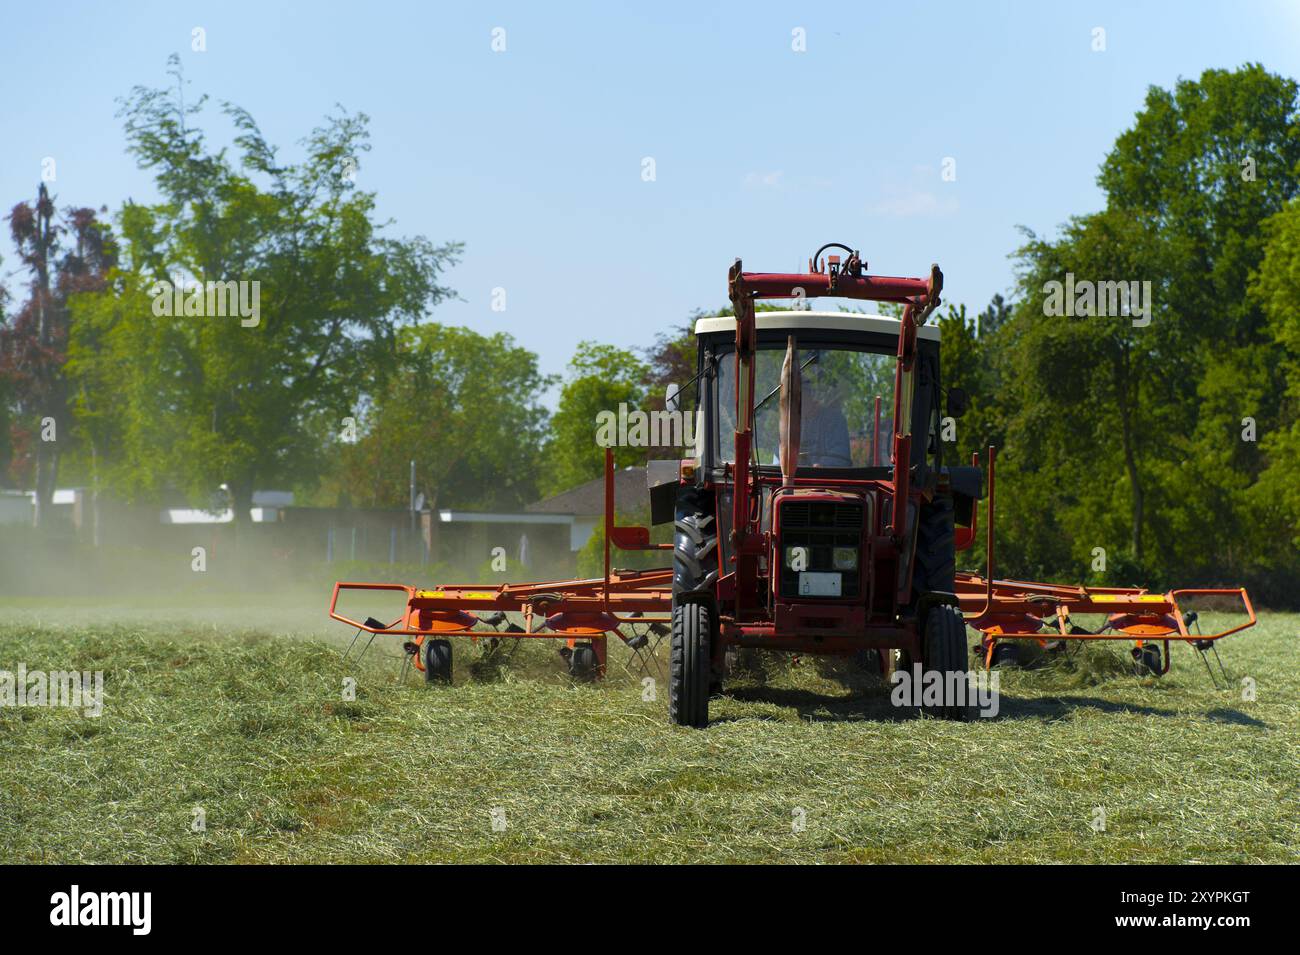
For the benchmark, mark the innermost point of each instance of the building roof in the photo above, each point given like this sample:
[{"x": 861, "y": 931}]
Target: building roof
[
  {"x": 449, "y": 516},
  {"x": 588, "y": 500},
  {"x": 840, "y": 321}
]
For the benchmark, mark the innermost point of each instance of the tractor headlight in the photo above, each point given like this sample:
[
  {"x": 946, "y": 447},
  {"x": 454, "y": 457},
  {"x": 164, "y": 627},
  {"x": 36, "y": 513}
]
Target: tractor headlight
[
  {"x": 796, "y": 558},
  {"x": 845, "y": 558}
]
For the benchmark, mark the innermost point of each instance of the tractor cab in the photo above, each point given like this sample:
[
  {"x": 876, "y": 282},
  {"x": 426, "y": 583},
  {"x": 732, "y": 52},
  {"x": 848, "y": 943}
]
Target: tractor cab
[{"x": 847, "y": 366}]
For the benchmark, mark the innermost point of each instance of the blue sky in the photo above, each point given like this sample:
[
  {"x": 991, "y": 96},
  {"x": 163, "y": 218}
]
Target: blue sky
[{"x": 533, "y": 156}]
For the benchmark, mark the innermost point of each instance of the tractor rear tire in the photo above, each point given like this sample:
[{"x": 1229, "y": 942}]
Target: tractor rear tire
[
  {"x": 935, "y": 567},
  {"x": 690, "y": 665},
  {"x": 437, "y": 661},
  {"x": 695, "y": 544},
  {"x": 945, "y": 654}
]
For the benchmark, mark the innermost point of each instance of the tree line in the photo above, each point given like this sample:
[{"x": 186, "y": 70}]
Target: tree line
[{"x": 1148, "y": 431}]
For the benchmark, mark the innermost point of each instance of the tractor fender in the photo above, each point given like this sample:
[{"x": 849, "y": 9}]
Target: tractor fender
[{"x": 967, "y": 485}]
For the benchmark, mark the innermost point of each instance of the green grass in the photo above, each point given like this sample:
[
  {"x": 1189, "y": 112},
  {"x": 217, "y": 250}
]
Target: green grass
[{"x": 252, "y": 728}]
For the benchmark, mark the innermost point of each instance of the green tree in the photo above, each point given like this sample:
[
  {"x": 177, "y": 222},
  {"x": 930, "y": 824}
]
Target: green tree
[
  {"x": 1276, "y": 498},
  {"x": 1129, "y": 438},
  {"x": 465, "y": 407},
  {"x": 600, "y": 379},
  {"x": 993, "y": 317},
  {"x": 64, "y": 255},
  {"x": 1085, "y": 400},
  {"x": 205, "y": 401},
  {"x": 964, "y": 366},
  {"x": 1206, "y": 164}
]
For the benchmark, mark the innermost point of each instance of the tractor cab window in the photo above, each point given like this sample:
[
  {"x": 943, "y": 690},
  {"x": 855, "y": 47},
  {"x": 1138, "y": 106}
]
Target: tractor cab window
[{"x": 840, "y": 427}]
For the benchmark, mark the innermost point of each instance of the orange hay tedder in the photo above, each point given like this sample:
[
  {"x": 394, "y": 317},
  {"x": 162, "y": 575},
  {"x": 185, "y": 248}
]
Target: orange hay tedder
[{"x": 810, "y": 524}]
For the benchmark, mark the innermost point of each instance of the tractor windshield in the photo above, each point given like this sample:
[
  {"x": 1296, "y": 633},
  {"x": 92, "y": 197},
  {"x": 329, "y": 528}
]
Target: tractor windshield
[{"x": 840, "y": 388}]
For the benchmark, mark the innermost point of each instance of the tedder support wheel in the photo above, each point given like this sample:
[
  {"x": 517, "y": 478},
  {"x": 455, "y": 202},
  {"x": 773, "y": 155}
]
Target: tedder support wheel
[
  {"x": 945, "y": 654},
  {"x": 437, "y": 661},
  {"x": 1147, "y": 659},
  {"x": 1006, "y": 654},
  {"x": 582, "y": 663},
  {"x": 689, "y": 669}
]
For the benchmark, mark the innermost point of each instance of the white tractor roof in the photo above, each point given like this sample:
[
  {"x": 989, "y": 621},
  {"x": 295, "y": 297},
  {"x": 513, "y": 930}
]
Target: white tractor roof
[{"x": 838, "y": 321}]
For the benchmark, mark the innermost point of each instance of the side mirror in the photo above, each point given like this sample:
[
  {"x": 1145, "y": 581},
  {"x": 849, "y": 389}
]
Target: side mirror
[
  {"x": 958, "y": 402},
  {"x": 673, "y": 400}
]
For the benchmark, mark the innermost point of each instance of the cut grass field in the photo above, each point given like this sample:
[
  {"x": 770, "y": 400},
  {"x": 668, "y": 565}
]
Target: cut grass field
[{"x": 515, "y": 764}]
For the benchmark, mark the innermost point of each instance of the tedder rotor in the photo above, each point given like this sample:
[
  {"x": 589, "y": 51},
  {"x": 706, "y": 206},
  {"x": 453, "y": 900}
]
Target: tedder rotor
[{"x": 811, "y": 517}]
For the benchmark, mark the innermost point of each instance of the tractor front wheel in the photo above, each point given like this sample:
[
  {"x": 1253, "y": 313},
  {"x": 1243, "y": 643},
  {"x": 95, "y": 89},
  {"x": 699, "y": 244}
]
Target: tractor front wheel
[
  {"x": 689, "y": 670},
  {"x": 945, "y": 660}
]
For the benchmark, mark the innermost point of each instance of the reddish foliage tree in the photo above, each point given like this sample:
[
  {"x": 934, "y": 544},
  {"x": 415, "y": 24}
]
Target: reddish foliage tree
[{"x": 62, "y": 256}]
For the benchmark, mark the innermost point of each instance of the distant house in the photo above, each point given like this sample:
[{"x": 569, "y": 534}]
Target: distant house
[
  {"x": 585, "y": 504},
  {"x": 16, "y": 507},
  {"x": 530, "y": 539},
  {"x": 19, "y": 507},
  {"x": 74, "y": 503},
  {"x": 266, "y": 508}
]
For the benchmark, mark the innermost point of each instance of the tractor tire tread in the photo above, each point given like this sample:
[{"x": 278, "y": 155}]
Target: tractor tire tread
[
  {"x": 689, "y": 665},
  {"x": 695, "y": 546},
  {"x": 944, "y": 651},
  {"x": 935, "y": 568}
]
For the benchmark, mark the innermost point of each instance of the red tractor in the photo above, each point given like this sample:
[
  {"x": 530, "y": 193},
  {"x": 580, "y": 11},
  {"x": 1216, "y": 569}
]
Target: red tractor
[
  {"x": 806, "y": 523},
  {"x": 817, "y": 514}
]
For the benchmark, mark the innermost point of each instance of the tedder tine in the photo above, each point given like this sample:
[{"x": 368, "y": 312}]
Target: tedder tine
[
  {"x": 635, "y": 644},
  {"x": 371, "y": 623},
  {"x": 1222, "y": 669},
  {"x": 1204, "y": 648},
  {"x": 1208, "y": 669},
  {"x": 361, "y": 655},
  {"x": 658, "y": 631},
  {"x": 655, "y": 634},
  {"x": 356, "y": 636}
]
